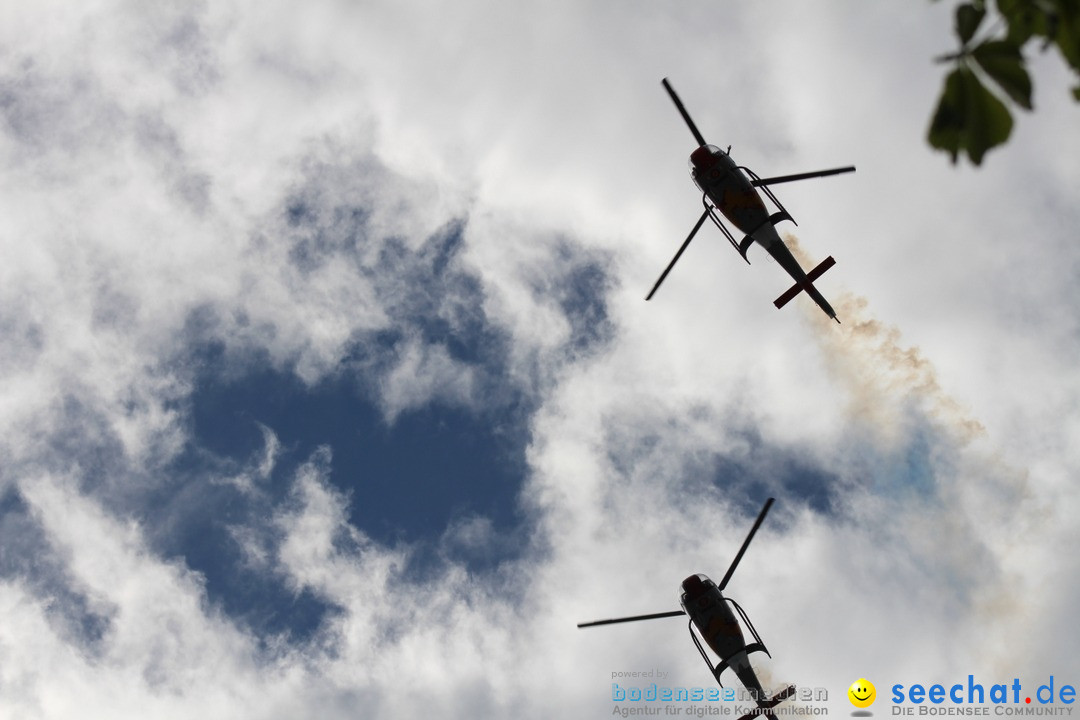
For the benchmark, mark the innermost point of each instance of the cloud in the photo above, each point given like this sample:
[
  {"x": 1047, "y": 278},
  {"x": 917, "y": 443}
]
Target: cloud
[
  {"x": 463, "y": 206},
  {"x": 157, "y": 640}
]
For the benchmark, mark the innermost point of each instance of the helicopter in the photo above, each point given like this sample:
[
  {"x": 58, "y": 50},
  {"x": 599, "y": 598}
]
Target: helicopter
[
  {"x": 726, "y": 187},
  {"x": 703, "y": 601}
]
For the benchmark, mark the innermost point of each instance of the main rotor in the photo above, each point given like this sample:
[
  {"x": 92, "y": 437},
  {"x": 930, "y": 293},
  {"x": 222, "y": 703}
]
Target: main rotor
[
  {"x": 722, "y": 584},
  {"x": 685, "y": 115}
]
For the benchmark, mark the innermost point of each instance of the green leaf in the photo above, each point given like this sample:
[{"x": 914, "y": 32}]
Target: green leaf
[
  {"x": 1004, "y": 64},
  {"x": 987, "y": 122},
  {"x": 1025, "y": 18},
  {"x": 968, "y": 18},
  {"x": 1016, "y": 11},
  {"x": 1068, "y": 32},
  {"x": 947, "y": 125},
  {"x": 1056, "y": 21},
  {"x": 969, "y": 118}
]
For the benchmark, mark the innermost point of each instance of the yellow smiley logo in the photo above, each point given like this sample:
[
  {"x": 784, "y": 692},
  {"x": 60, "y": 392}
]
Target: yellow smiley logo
[{"x": 862, "y": 693}]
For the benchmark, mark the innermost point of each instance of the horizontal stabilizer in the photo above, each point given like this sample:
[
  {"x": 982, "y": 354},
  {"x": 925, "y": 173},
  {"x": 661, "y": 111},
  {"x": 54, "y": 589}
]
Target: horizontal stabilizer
[
  {"x": 762, "y": 710},
  {"x": 780, "y": 697},
  {"x": 804, "y": 284},
  {"x": 758, "y": 712}
]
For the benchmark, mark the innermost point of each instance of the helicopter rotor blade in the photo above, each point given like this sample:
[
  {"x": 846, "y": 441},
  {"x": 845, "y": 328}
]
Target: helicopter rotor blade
[
  {"x": 746, "y": 544},
  {"x": 675, "y": 259},
  {"x": 633, "y": 618},
  {"x": 801, "y": 176},
  {"x": 682, "y": 111}
]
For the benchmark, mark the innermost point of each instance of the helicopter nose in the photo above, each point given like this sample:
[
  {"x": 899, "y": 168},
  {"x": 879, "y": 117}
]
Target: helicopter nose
[
  {"x": 703, "y": 158},
  {"x": 693, "y": 584}
]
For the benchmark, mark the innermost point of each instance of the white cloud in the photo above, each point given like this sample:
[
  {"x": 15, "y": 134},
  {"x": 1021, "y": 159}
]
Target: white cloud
[{"x": 152, "y": 157}]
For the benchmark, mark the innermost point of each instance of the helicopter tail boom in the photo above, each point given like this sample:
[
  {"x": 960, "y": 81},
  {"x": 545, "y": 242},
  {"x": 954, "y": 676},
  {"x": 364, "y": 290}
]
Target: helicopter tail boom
[{"x": 765, "y": 705}]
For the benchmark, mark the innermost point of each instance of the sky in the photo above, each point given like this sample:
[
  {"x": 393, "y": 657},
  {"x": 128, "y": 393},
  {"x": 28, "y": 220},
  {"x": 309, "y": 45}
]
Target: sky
[{"x": 328, "y": 387}]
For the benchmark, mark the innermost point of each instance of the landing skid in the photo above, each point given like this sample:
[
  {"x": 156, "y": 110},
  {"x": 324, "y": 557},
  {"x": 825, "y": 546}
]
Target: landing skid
[
  {"x": 720, "y": 667},
  {"x": 741, "y": 247},
  {"x": 783, "y": 214},
  {"x": 710, "y": 210}
]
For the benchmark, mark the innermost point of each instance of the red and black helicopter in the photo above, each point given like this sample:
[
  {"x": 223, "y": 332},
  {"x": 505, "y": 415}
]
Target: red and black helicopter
[
  {"x": 726, "y": 187},
  {"x": 709, "y": 611}
]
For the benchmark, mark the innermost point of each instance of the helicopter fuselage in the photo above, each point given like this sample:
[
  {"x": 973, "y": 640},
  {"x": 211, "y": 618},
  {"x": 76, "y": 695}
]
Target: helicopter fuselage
[
  {"x": 717, "y": 175},
  {"x": 731, "y": 191},
  {"x": 712, "y": 615}
]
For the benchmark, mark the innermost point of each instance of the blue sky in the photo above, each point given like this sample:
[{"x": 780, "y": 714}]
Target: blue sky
[{"x": 327, "y": 386}]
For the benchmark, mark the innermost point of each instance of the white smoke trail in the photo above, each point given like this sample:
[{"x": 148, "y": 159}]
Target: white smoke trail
[
  {"x": 884, "y": 378},
  {"x": 982, "y": 512}
]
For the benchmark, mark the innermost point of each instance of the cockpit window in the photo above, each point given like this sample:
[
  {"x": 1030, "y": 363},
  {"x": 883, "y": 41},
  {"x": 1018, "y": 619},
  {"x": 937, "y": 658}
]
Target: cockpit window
[{"x": 705, "y": 158}]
